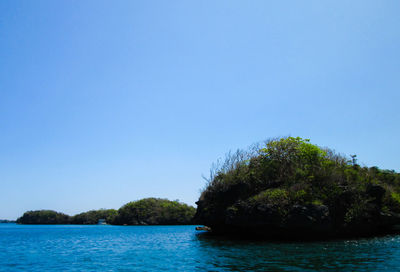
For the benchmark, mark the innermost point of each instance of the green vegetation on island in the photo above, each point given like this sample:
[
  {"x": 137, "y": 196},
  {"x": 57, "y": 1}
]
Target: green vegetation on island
[
  {"x": 154, "y": 211},
  {"x": 44, "y": 217},
  {"x": 92, "y": 217},
  {"x": 148, "y": 211},
  {"x": 290, "y": 188}
]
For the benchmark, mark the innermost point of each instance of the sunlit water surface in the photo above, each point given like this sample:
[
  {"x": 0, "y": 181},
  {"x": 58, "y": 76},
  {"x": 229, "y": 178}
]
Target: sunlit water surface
[{"x": 181, "y": 248}]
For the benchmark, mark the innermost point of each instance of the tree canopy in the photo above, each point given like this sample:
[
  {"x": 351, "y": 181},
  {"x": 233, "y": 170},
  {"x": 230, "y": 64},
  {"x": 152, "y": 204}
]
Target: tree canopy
[
  {"x": 41, "y": 217},
  {"x": 93, "y": 216},
  {"x": 154, "y": 211},
  {"x": 148, "y": 211}
]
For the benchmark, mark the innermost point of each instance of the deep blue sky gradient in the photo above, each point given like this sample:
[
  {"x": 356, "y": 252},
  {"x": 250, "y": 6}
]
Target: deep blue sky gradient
[{"x": 105, "y": 102}]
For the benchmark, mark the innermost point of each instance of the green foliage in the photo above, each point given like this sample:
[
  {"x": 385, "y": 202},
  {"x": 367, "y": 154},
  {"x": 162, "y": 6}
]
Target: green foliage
[
  {"x": 92, "y": 217},
  {"x": 317, "y": 202},
  {"x": 300, "y": 196},
  {"x": 396, "y": 197},
  {"x": 357, "y": 210},
  {"x": 273, "y": 196},
  {"x": 149, "y": 211},
  {"x": 43, "y": 217},
  {"x": 294, "y": 158},
  {"x": 277, "y": 197},
  {"x": 154, "y": 211}
]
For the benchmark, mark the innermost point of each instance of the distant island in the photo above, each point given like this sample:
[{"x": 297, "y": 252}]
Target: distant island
[
  {"x": 289, "y": 188},
  {"x": 148, "y": 211},
  {"x": 6, "y": 221}
]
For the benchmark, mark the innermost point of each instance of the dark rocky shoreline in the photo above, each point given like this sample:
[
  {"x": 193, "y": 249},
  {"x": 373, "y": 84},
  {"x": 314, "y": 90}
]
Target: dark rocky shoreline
[{"x": 308, "y": 221}]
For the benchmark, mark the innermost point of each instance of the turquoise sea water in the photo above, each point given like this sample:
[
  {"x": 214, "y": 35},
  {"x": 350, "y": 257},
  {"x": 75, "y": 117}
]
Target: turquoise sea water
[{"x": 181, "y": 248}]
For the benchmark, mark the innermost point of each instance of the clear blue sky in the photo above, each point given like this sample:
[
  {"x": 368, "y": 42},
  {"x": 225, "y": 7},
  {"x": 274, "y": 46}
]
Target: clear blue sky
[{"x": 105, "y": 102}]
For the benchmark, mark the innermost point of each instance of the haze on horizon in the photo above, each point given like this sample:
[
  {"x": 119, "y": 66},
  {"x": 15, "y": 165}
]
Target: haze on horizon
[{"x": 106, "y": 102}]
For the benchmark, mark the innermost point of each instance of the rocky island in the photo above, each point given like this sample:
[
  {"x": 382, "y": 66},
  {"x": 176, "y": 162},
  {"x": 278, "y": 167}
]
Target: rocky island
[{"x": 289, "y": 188}]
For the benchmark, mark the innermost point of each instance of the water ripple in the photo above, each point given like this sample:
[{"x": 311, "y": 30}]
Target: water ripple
[{"x": 179, "y": 248}]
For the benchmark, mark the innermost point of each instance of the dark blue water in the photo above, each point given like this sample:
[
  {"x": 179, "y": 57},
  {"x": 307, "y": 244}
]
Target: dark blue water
[{"x": 180, "y": 248}]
